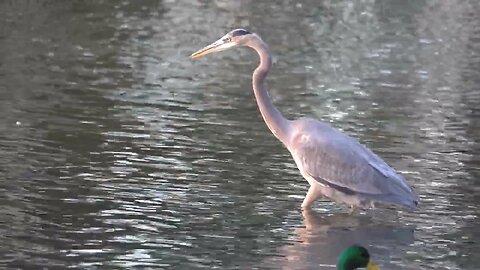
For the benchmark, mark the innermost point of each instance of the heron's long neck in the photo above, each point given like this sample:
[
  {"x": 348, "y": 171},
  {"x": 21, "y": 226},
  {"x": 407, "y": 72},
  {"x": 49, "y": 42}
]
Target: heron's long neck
[{"x": 275, "y": 121}]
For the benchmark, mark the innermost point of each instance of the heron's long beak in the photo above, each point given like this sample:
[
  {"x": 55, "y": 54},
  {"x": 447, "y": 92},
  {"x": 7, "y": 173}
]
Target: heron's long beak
[
  {"x": 217, "y": 46},
  {"x": 372, "y": 266}
]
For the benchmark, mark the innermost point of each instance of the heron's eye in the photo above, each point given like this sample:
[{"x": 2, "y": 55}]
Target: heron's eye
[{"x": 227, "y": 39}]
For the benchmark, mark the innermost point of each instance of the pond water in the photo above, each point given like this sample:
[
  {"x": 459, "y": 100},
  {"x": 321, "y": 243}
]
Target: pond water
[{"x": 118, "y": 151}]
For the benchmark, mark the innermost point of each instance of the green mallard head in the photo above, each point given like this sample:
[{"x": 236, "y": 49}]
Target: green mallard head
[{"x": 355, "y": 257}]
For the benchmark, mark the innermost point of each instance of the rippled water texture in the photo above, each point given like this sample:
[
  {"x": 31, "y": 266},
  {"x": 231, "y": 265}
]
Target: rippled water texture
[{"x": 118, "y": 151}]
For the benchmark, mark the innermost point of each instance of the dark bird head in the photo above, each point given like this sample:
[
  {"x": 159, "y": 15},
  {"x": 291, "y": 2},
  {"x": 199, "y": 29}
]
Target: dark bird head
[{"x": 355, "y": 257}]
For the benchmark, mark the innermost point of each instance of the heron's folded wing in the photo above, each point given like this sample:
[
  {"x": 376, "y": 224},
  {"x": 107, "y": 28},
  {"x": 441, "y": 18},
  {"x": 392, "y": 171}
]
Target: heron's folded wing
[{"x": 343, "y": 163}]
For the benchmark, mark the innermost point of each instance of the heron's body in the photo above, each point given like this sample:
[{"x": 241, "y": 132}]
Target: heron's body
[
  {"x": 339, "y": 167},
  {"x": 335, "y": 165}
]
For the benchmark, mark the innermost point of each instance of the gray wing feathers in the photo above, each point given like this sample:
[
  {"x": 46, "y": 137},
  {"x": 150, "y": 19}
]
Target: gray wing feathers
[{"x": 333, "y": 157}]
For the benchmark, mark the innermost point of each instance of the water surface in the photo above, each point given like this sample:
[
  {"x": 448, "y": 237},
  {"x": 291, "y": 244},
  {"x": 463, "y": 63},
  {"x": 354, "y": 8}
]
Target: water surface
[{"x": 118, "y": 151}]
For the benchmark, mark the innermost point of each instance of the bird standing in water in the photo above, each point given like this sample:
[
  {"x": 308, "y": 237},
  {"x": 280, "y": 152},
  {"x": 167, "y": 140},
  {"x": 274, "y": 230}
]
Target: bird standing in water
[{"x": 334, "y": 164}]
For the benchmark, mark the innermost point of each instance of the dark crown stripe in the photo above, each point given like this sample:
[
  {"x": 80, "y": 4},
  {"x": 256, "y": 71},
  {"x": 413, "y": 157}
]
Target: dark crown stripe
[{"x": 240, "y": 32}]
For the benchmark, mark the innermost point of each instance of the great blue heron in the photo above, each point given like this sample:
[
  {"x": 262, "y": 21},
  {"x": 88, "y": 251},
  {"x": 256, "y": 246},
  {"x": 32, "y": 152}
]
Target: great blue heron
[{"x": 334, "y": 164}]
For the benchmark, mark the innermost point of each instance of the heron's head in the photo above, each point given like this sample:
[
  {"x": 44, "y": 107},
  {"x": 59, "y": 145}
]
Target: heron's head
[{"x": 231, "y": 39}]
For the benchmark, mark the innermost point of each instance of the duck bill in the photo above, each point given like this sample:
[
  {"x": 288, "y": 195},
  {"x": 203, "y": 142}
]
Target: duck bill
[{"x": 372, "y": 266}]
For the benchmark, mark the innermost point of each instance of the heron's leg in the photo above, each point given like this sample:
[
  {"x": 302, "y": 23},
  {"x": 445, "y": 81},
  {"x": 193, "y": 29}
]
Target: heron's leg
[{"x": 312, "y": 194}]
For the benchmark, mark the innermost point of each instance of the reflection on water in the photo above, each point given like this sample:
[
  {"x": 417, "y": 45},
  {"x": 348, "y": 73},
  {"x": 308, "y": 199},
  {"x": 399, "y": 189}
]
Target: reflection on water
[
  {"x": 324, "y": 237},
  {"x": 118, "y": 151}
]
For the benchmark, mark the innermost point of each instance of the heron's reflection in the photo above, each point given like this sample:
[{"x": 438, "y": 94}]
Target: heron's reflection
[{"x": 318, "y": 244}]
